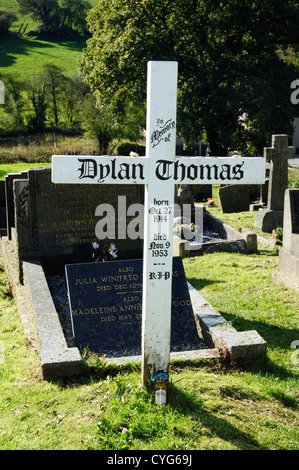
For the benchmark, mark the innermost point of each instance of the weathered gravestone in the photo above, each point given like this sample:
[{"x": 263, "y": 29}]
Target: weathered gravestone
[
  {"x": 272, "y": 217},
  {"x": 288, "y": 269},
  {"x": 234, "y": 198},
  {"x": 106, "y": 307},
  {"x": 159, "y": 171},
  {"x": 57, "y": 225}
]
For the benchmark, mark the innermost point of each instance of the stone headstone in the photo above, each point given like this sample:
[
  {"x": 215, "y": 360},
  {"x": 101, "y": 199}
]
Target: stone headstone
[
  {"x": 9, "y": 199},
  {"x": 288, "y": 269},
  {"x": 57, "y": 223},
  {"x": 184, "y": 196},
  {"x": 278, "y": 155},
  {"x": 234, "y": 198},
  {"x": 106, "y": 306},
  {"x": 201, "y": 192}
]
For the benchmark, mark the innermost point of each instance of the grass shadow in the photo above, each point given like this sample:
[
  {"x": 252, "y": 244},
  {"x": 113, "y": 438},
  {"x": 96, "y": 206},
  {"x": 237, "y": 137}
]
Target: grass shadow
[
  {"x": 199, "y": 284},
  {"x": 191, "y": 406},
  {"x": 12, "y": 47},
  {"x": 96, "y": 369},
  {"x": 276, "y": 338}
]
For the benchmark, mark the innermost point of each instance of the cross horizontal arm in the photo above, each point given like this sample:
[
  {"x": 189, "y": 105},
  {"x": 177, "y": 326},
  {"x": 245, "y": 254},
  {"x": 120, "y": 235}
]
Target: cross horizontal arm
[
  {"x": 70, "y": 169},
  {"x": 179, "y": 170},
  {"x": 212, "y": 170}
]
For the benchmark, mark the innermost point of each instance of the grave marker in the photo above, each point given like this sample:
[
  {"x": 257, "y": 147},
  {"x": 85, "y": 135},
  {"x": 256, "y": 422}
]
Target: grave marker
[
  {"x": 106, "y": 307},
  {"x": 57, "y": 225},
  {"x": 278, "y": 155},
  {"x": 288, "y": 268},
  {"x": 272, "y": 217},
  {"x": 159, "y": 171}
]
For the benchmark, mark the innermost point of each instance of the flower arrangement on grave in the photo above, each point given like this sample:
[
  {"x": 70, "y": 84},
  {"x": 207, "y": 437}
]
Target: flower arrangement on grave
[
  {"x": 211, "y": 202},
  {"x": 104, "y": 253},
  {"x": 184, "y": 230},
  {"x": 277, "y": 233}
]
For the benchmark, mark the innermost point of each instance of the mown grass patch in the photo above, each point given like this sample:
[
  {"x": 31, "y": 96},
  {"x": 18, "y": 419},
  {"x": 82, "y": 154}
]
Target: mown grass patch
[
  {"x": 241, "y": 288},
  {"x": 27, "y": 56},
  {"x": 210, "y": 405}
]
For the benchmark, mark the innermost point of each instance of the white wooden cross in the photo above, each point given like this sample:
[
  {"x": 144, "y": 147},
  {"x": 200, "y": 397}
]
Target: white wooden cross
[{"x": 159, "y": 171}]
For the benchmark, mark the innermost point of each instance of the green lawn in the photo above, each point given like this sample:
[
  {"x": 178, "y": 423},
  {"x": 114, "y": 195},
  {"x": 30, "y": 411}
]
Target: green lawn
[
  {"x": 210, "y": 405},
  {"x": 18, "y": 167},
  {"x": 27, "y": 55}
]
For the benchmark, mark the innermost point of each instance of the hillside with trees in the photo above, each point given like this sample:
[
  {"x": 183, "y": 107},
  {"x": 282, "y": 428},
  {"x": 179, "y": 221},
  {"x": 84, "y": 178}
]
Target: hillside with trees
[
  {"x": 236, "y": 63},
  {"x": 40, "y": 44},
  {"x": 60, "y": 17}
]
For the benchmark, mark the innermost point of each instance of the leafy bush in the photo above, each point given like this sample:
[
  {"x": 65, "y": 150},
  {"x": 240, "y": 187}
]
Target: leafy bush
[
  {"x": 57, "y": 16},
  {"x": 7, "y": 18}
]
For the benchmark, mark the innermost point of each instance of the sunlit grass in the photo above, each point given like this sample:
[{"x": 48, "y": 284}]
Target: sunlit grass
[{"x": 210, "y": 405}]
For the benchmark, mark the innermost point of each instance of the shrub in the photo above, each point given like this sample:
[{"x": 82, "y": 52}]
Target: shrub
[{"x": 7, "y": 18}]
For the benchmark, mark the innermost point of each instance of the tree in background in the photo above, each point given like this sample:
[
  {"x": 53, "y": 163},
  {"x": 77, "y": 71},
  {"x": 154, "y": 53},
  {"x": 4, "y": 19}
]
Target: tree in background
[
  {"x": 233, "y": 86},
  {"x": 57, "y": 16},
  {"x": 15, "y": 101},
  {"x": 7, "y": 18},
  {"x": 73, "y": 101},
  {"x": 50, "y": 100},
  {"x": 55, "y": 81},
  {"x": 102, "y": 125},
  {"x": 36, "y": 87},
  {"x": 44, "y": 11},
  {"x": 73, "y": 15}
]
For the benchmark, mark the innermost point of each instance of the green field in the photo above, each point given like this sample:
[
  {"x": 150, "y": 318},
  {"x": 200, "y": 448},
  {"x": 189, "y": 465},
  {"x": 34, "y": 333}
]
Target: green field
[{"x": 27, "y": 55}]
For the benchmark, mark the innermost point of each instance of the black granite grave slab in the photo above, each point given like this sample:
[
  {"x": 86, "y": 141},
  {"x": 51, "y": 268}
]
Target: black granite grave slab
[
  {"x": 57, "y": 223},
  {"x": 106, "y": 306}
]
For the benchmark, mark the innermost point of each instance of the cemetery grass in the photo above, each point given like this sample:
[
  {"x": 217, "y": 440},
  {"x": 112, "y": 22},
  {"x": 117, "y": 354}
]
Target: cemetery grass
[
  {"x": 211, "y": 404},
  {"x": 246, "y": 219}
]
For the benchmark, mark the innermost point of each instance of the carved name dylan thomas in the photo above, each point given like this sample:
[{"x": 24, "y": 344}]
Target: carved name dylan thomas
[{"x": 165, "y": 170}]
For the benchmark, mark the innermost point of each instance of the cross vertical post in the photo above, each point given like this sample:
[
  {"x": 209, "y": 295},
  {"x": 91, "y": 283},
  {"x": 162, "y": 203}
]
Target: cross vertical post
[{"x": 159, "y": 199}]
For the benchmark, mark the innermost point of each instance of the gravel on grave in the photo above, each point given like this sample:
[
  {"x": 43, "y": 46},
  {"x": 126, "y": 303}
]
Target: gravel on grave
[{"x": 58, "y": 288}]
